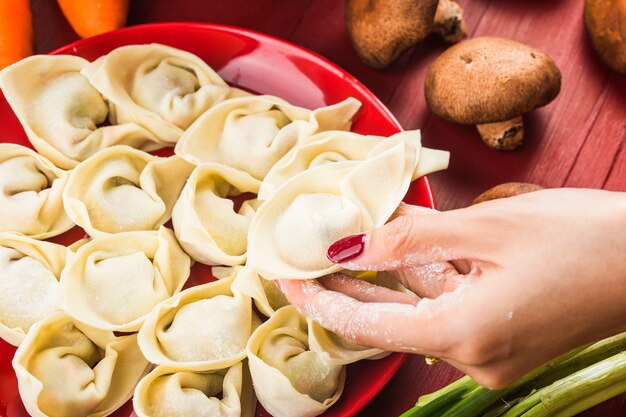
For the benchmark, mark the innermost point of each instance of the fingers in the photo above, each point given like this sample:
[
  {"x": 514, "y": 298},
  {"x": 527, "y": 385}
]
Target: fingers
[
  {"x": 411, "y": 210},
  {"x": 389, "y": 326},
  {"x": 463, "y": 266},
  {"x": 430, "y": 280},
  {"x": 364, "y": 291},
  {"x": 411, "y": 240}
]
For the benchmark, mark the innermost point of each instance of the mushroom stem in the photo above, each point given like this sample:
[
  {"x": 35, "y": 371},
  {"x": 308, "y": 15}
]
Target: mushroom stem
[
  {"x": 449, "y": 23},
  {"x": 506, "y": 135}
]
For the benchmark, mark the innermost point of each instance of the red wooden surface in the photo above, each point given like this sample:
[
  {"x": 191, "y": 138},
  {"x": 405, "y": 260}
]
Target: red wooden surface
[{"x": 578, "y": 140}]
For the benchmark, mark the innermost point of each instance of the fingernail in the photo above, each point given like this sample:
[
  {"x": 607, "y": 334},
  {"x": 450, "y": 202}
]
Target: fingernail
[{"x": 346, "y": 249}]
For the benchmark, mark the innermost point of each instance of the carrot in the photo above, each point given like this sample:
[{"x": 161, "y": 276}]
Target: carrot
[
  {"x": 16, "y": 31},
  {"x": 89, "y": 18}
]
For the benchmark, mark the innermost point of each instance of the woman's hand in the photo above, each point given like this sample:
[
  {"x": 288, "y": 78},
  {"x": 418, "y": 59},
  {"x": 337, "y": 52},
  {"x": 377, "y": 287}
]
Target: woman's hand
[{"x": 507, "y": 285}]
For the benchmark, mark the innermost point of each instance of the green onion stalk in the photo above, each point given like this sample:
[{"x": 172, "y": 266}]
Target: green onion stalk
[{"x": 562, "y": 387}]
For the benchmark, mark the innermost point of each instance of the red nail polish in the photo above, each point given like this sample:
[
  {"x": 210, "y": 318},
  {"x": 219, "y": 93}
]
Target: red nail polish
[{"x": 346, "y": 249}]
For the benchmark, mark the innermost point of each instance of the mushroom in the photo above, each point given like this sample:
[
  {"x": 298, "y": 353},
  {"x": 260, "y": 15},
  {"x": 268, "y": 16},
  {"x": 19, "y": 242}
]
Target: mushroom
[
  {"x": 381, "y": 30},
  {"x": 605, "y": 21},
  {"x": 509, "y": 189},
  {"x": 491, "y": 82}
]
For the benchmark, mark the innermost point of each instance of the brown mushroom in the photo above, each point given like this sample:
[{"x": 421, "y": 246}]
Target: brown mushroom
[
  {"x": 509, "y": 189},
  {"x": 491, "y": 82},
  {"x": 605, "y": 21},
  {"x": 381, "y": 30},
  {"x": 449, "y": 23}
]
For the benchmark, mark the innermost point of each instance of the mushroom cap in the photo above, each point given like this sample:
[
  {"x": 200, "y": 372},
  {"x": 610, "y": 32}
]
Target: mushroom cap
[
  {"x": 381, "y": 30},
  {"x": 509, "y": 189},
  {"x": 605, "y": 21},
  {"x": 489, "y": 79}
]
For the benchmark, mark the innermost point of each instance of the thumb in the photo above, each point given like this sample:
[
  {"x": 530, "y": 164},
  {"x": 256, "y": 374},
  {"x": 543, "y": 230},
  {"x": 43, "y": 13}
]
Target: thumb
[{"x": 411, "y": 240}]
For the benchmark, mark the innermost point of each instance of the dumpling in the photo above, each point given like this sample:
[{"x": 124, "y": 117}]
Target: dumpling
[
  {"x": 29, "y": 283},
  {"x": 252, "y": 133},
  {"x": 203, "y": 328},
  {"x": 265, "y": 294},
  {"x": 221, "y": 272},
  {"x": 158, "y": 87},
  {"x": 289, "y": 379},
  {"x": 121, "y": 189},
  {"x": 31, "y": 189},
  {"x": 336, "y": 146},
  {"x": 168, "y": 392},
  {"x": 67, "y": 369},
  {"x": 339, "y": 349},
  {"x": 113, "y": 282},
  {"x": 62, "y": 114},
  {"x": 205, "y": 221},
  {"x": 290, "y": 233}
]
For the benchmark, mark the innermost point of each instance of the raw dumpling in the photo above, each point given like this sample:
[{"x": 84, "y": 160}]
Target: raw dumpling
[
  {"x": 205, "y": 222},
  {"x": 252, "y": 133},
  {"x": 31, "y": 190},
  {"x": 122, "y": 189},
  {"x": 221, "y": 272},
  {"x": 289, "y": 379},
  {"x": 266, "y": 295},
  {"x": 339, "y": 349},
  {"x": 158, "y": 87},
  {"x": 336, "y": 146},
  {"x": 113, "y": 282},
  {"x": 62, "y": 114},
  {"x": 203, "y": 328},
  {"x": 29, "y": 283},
  {"x": 167, "y": 392},
  {"x": 67, "y": 369},
  {"x": 290, "y": 233}
]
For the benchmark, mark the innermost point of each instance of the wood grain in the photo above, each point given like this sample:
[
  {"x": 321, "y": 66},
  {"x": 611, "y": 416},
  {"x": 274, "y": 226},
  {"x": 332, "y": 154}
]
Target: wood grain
[{"x": 579, "y": 140}]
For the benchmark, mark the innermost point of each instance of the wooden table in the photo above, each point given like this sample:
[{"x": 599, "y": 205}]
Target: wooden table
[{"x": 579, "y": 140}]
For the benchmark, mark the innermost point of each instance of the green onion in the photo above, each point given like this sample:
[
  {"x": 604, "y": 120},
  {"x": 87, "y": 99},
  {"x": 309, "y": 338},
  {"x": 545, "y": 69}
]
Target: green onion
[
  {"x": 590, "y": 385},
  {"x": 564, "y": 385},
  {"x": 435, "y": 405}
]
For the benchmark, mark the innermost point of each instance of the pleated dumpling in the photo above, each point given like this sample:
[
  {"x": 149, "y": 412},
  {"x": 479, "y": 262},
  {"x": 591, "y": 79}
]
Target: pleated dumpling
[
  {"x": 161, "y": 88},
  {"x": 252, "y": 133},
  {"x": 168, "y": 392},
  {"x": 31, "y": 189},
  {"x": 67, "y": 369},
  {"x": 336, "y": 146},
  {"x": 63, "y": 115},
  {"x": 265, "y": 294},
  {"x": 337, "y": 348},
  {"x": 29, "y": 283},
  {"x": 290, "y": 380},
  {"x": 291, "y": 232},
  {"x": 122, "y": 189},
  {"x": 203, "y": 328},
  {"x": 206, "y": 223},
  {"x": 113, "y": 282}
]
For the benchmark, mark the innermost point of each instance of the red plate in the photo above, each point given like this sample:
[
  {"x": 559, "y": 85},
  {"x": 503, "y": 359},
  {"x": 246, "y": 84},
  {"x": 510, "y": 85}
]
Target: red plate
[{"x": 262, "y": 64}]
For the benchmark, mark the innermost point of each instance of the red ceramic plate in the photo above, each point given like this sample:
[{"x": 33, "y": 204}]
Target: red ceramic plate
[{"x": 261, "y": 64}]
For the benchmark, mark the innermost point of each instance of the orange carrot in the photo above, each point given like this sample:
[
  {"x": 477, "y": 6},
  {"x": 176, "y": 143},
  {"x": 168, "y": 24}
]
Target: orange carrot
[
  {"x": 16, "y": 31},
  {"x": 89, "y": 18}
]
